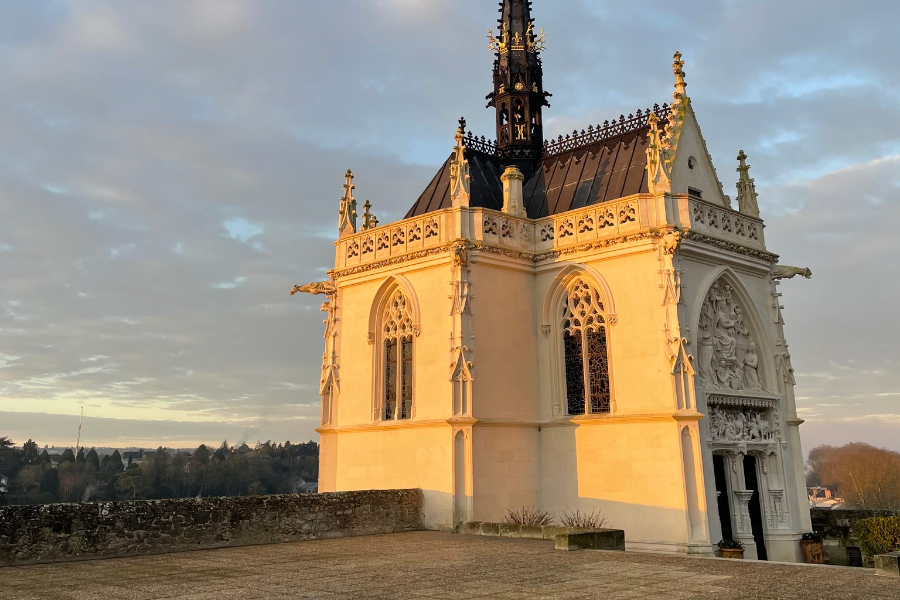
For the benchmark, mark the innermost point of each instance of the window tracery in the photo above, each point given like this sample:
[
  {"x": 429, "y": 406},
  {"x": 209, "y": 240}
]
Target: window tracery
[
  {"x": 398, "y": 332},
  {"x": 586, "y": 354}
]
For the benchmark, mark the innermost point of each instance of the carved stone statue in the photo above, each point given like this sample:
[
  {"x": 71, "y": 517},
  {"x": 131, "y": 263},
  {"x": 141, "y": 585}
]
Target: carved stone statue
[
  {"x": 326, "y": 288},
  {"x": 707, "y": 350},
  {"x": 727, "y": 353},
  {"x": 786, "y": 272},
  {"x": 751, "y": 369}
]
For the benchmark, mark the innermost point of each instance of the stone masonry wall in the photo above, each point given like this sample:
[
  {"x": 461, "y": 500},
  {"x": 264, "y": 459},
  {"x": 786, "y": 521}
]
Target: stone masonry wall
[
  {"x": 62, "y": 532},
  {"x": 837, "y": 528}
]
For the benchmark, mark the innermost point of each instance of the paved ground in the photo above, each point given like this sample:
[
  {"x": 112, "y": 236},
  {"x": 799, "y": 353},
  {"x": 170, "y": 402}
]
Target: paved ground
[{"x": 432, "y": 565}]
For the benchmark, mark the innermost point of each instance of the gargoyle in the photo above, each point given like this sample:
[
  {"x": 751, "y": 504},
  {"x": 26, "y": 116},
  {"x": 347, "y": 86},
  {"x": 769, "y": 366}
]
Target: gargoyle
[
  {"x": 780, "y": 272},
  {"x": 319, "y": 288}
]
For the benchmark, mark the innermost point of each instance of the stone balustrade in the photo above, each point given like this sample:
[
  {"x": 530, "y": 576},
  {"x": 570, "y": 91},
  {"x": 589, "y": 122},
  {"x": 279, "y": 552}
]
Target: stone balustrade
[
  {"x": 724, "y": 223},
  {"x": 426, "y": 235}
]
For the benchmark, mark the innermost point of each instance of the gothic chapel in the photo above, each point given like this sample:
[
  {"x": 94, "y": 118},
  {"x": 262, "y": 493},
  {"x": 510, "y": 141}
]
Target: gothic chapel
[{"x": 588, "y": 323}]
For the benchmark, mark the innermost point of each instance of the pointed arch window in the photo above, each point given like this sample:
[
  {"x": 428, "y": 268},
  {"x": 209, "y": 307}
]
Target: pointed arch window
[
  {"x": 586, "y": 354},
  {"x": 397, "y": 345}
]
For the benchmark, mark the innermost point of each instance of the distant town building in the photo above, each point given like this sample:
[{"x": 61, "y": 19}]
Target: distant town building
[
  {"x": 132, "y": 457},
  {"x": 822, "y": 497},
  {"x": 311, "y": 487}
]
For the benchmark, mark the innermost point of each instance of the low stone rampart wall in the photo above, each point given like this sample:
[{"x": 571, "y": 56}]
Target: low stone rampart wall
[
  {"x": 837, "y": 526},
  {"x": 63, "y": 532}
]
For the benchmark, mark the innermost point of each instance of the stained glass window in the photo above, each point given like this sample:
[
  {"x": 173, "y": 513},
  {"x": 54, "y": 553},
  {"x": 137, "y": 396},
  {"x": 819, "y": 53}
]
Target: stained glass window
[
  {"x": 406, "y": 378},
  {"x": 390, "y": 380},
  {"x": 574, "y": 373},
  {"x": 586, "y": 355},
  {"x": 598, "y": 371},
  {"x": 397, "y": 334}
]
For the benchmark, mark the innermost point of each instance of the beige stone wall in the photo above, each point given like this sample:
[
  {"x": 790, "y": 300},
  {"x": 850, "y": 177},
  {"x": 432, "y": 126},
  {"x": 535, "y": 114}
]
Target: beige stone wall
[{"x": 647, "y": 464}]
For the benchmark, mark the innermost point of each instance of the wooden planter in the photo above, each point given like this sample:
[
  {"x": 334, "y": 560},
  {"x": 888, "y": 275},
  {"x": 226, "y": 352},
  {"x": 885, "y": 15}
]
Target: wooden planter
[
  {"x": 732, "y": 552},
  {"x": 813, "y": 552}
]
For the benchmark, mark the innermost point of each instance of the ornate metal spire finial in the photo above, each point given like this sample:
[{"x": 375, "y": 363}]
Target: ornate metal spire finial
[
  {"x": 347, "y": 222},
  {"x": 501, "y": 44},
  {"x": 535, "y": 43},
  {"x": 746, "y": 187},
  {"x": 518, "y": 94}
]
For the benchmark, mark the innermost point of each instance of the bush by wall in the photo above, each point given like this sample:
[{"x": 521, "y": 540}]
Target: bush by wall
[{"x": 879, "y": 535}]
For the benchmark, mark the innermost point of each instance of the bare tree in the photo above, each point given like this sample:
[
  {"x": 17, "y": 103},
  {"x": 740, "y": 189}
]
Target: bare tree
[{"x": 864, "y": 476}]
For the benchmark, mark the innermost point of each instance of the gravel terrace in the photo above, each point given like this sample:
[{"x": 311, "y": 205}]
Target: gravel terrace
[{"x": 432, "y": 565}]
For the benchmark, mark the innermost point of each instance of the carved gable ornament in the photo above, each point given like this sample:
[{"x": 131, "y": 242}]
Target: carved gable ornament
[{"x": 728, "y": 355}]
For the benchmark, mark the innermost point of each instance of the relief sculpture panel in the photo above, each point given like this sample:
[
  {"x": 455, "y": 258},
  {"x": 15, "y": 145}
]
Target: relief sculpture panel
[
  {"x": 727, "y": 356},
  {"x": 739, "y": 425}
]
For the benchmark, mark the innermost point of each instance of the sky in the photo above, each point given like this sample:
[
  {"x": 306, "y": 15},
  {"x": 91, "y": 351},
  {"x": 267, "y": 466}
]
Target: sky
[{"x": 170, "y": 169}]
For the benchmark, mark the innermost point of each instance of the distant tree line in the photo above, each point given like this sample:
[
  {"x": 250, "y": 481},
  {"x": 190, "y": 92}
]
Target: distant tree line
[
  {"x": 268, "y": 468},
  {"x": 863, "y": 476}
]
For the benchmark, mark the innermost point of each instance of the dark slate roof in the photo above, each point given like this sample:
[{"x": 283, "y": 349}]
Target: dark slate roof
[
  {"x": 485, "y": 189},
  {"x": 588, "y": 173},
  {"x": 606, "y": 170}
]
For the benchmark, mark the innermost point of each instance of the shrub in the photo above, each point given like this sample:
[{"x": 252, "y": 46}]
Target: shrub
[
  {"x": 592, "y": 520},
  {"x": 529, "y": 516},
  {"x": 731, "y": 545},
  {"x": 879, "y": 535},
  {"x": 812, "y": 537}
]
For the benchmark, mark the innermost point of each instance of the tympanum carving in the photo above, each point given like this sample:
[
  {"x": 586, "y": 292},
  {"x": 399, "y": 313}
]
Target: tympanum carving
[{"x": 727, "y": 356}]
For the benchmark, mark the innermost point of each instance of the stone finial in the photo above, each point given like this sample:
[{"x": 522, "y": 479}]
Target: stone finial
[
  {"x": 459, "y": 170},
  {"x": 347, "y": 223},
  {"x": 370, "y": 221},
  {"x": 746, "y": 188},
  {"x": 680, "y": 83},
  {"x": 513, "y": 196},
  {"x": 678, "y": 108},
  {"x": 658, "y": 179}
]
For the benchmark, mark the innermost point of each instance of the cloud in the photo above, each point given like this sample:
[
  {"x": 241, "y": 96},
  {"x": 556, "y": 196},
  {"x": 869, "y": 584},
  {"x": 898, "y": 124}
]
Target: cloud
[
  {"x": 168, "y": 170},
  {"x": 241, "y": 229},
  {"x": 230, "y": 285}
]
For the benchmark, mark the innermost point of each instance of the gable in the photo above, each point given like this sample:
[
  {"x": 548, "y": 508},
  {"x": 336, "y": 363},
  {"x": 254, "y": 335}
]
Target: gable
[{"x": 691, "y": 149}]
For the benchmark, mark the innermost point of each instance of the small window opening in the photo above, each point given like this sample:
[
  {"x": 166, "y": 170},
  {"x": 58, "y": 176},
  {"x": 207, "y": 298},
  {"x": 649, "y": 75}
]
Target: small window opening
[{"x": 695, "y": 193}]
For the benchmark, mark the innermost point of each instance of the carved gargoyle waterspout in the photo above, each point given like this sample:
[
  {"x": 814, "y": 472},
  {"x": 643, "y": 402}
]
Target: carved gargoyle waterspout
[{"x": 320, "y": 288}]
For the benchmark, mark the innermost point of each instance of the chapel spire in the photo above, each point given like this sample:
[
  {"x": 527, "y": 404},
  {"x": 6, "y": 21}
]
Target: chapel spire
[{"x": 518, "y": 94}]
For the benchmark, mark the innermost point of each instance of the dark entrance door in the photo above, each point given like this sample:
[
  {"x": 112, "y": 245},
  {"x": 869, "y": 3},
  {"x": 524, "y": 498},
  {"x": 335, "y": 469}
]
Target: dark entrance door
[
  {"x": 756, "y": 517},
  {"x": 724, "y": 498}
]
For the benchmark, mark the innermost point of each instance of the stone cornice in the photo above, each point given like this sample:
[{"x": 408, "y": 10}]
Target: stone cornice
[
  {"x": 567, "y": 421},
  {"x": 391, "y": 262},
  {"x": 384, "y": 426},
  {"x": 706, "y": 240},
  {"x": 600, "y": 244}
]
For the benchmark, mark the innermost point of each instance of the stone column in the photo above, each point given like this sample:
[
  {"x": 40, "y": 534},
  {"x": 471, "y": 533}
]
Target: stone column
[{"x": 743, "y": 515}]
